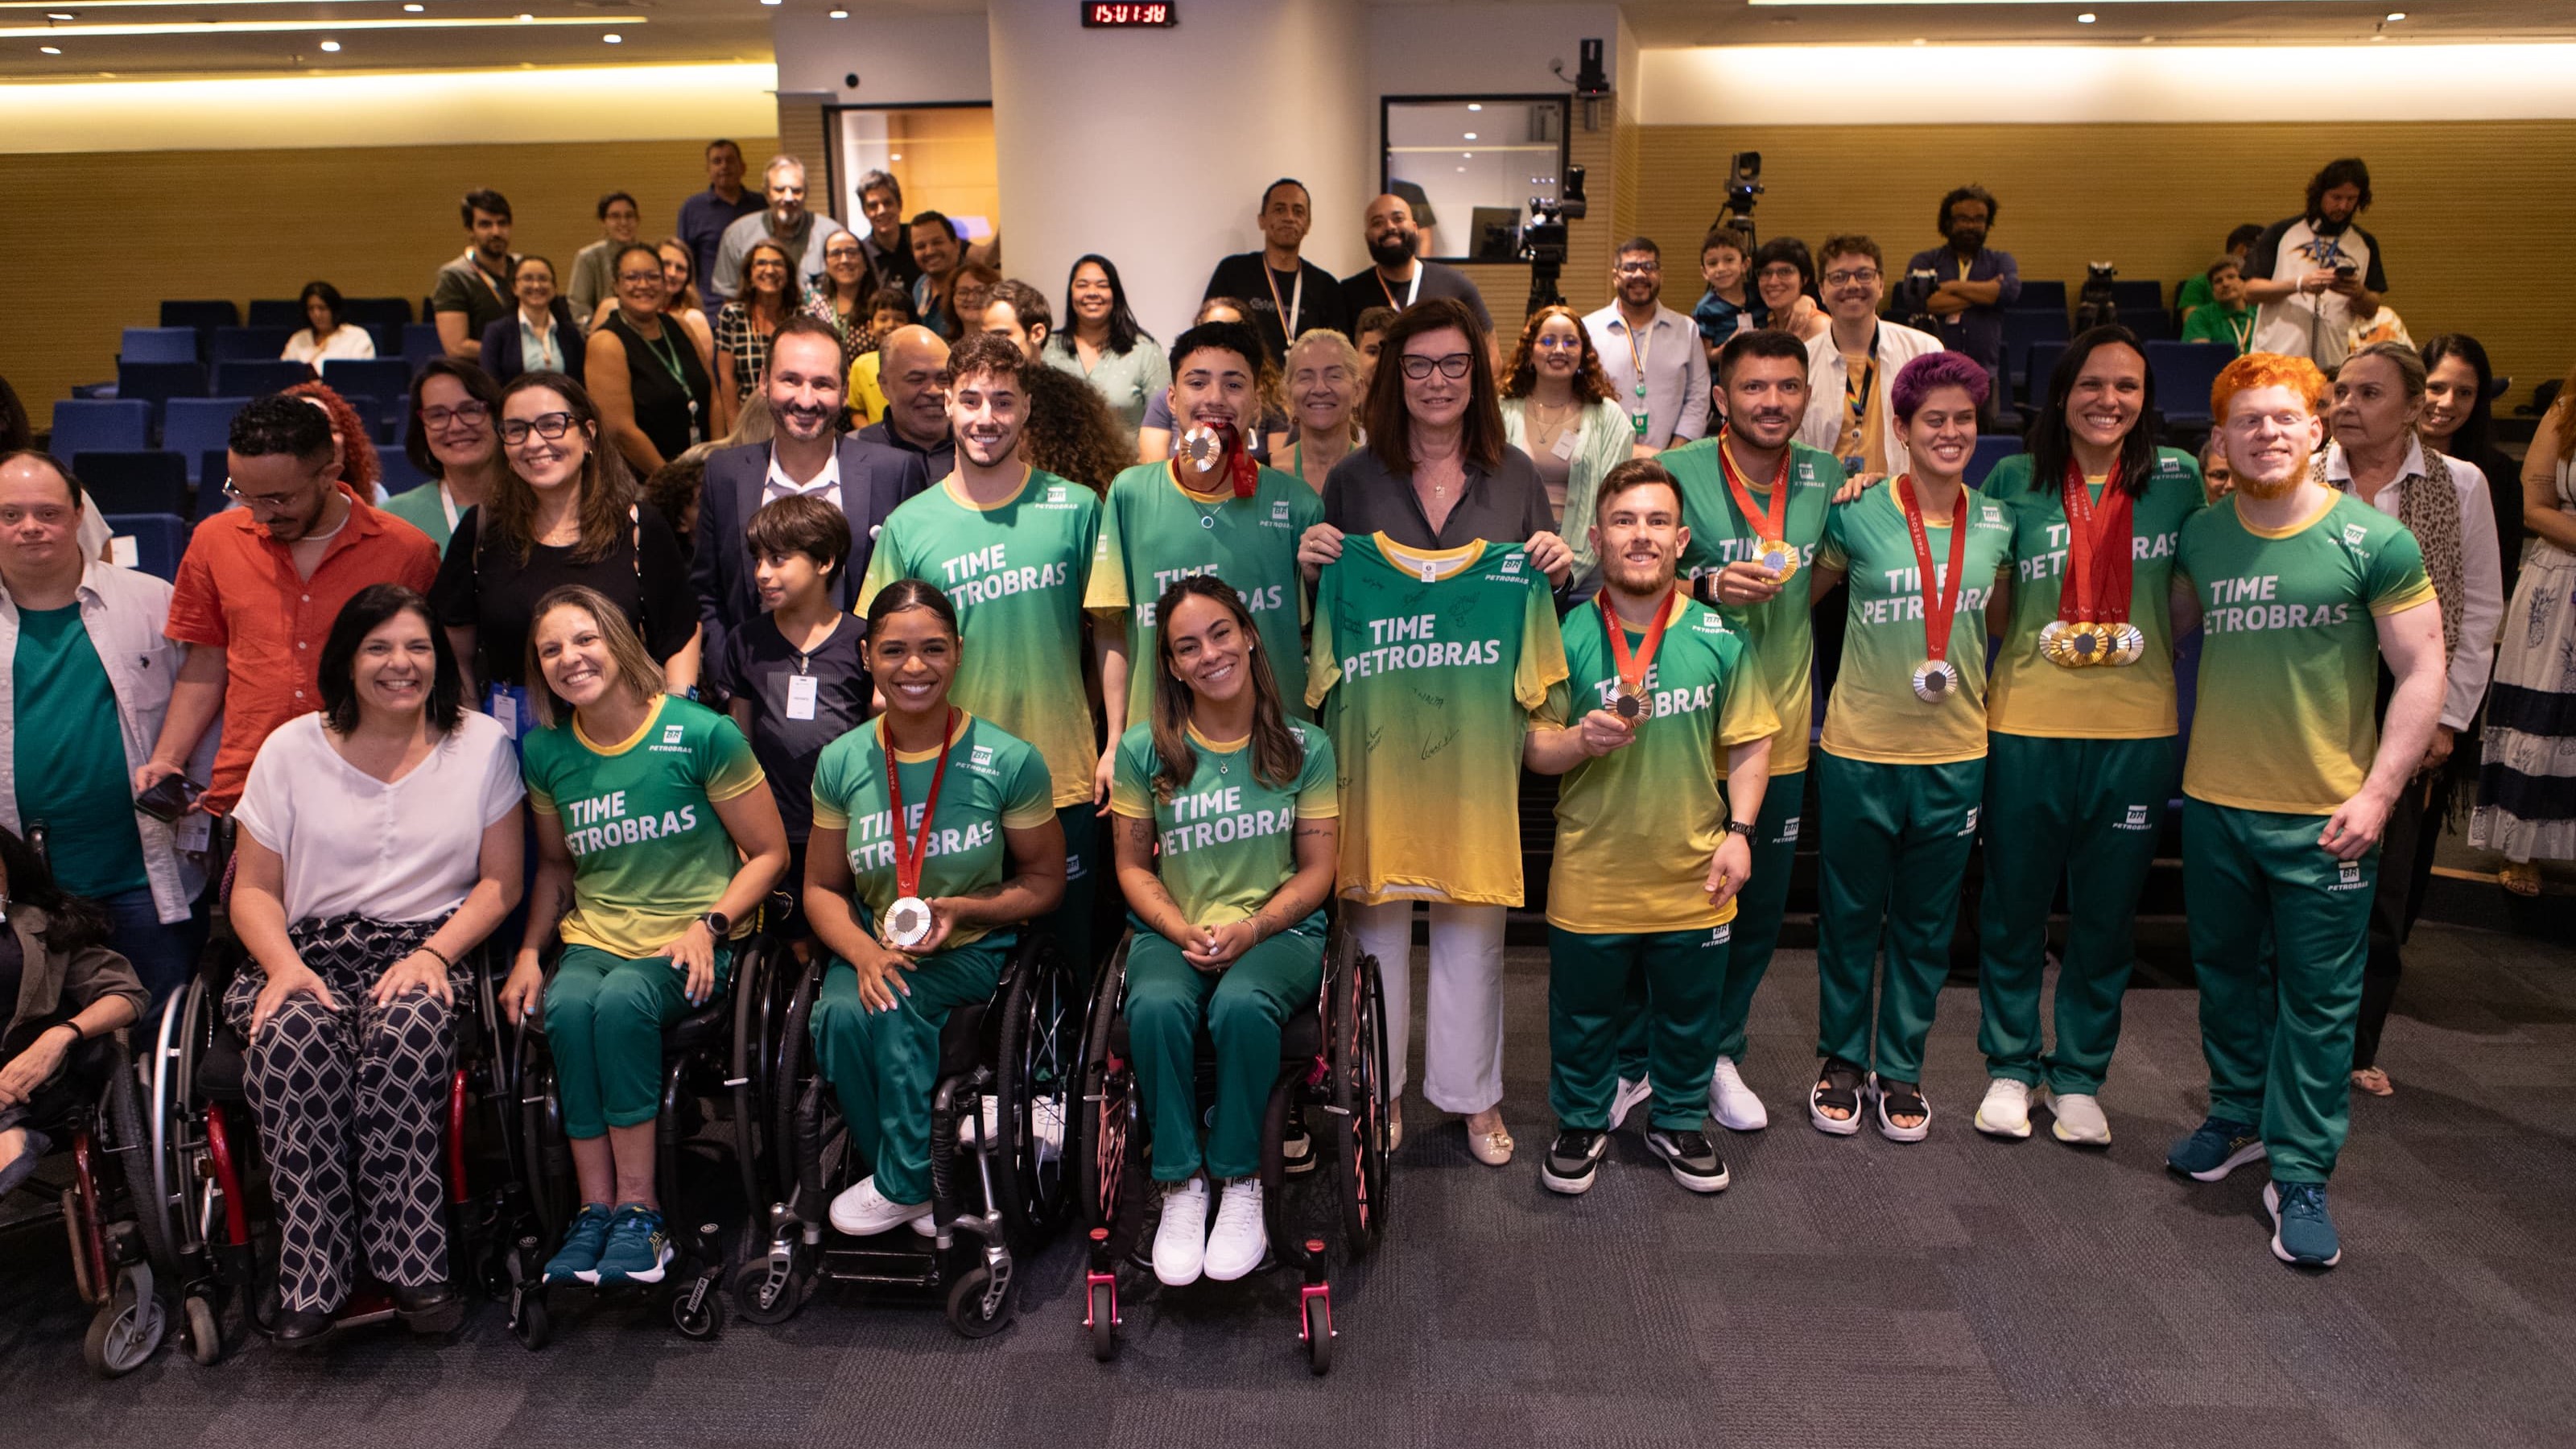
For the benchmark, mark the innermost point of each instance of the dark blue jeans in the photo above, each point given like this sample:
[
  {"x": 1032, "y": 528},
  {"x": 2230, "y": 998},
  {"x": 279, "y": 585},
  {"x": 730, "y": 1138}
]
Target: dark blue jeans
[{"x": 163, "y": 957}]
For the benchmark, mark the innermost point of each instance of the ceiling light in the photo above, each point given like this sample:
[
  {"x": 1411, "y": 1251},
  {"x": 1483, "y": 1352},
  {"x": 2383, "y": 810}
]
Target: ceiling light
[
  {"x": 1462, "y": 170},
  {"x": 1468, "y": 155},
  {"x": 524, "y": 19},
  {"x": 60, "y": 15},
  {"x": 1475, "y": 105},
  {"x": 2086, "y": 18},
  {"x": 414, "y": 9},
  {"x": 2396, "y": 15},
  {"x": 331, "y": 46},
  {"x": 613, "y": 39},
  {"x": 1919, "y": 40},
  {"x": 1471, "y": 135},
  {"x": 897, "y": 156}
]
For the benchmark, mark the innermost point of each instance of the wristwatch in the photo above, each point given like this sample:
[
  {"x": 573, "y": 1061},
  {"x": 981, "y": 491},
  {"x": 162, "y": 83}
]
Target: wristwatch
[
  {"x": 1740, "y": 827},
  {"x": 719, "y": 925}
]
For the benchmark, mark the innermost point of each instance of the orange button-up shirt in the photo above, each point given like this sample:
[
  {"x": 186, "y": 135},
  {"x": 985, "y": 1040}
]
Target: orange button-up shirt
[{"x": 238, "y": 591}]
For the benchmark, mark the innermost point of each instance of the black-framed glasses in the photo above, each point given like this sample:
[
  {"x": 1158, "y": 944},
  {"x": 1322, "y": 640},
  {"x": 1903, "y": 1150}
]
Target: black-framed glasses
[
  {"x": 548, "y": 426},
  {"x": 1453, "y": 367}
]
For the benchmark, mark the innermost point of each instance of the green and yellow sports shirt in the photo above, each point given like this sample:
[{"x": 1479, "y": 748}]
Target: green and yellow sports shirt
[
  {"x": 1781, "y": 634},
  {"x": 1428, "y": 664},
  {"x": 2031, "y": 696},
  {"x": 1636, "y": 827},
  {"x": 1154, "y": 532},
  {"x": 1016, "y": 572},
  {"x": 1874, "y": 714},
  {"x": 2286, "y": 720},
  {"x": 648, "y": 853},
  {"x": 1227, "y": 840},
  {"x": 994, "y": 781}
]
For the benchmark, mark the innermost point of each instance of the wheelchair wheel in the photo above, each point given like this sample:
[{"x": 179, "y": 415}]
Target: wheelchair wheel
[
  {"x": 127, "y": 1328},
  {"x": 697, "y": 1309},
  {"x": 1357, "y": 1007},
  {"x": 533, "y": 1323},
  {"x": 792, "y": 1061},
  {"x": 201, "y": 1331},
  {"x": 1112, "y": 1186},
  {"x": 1039, "y": 1062},
  {"x": 1103, "y": 1306},
  {"x": 979, "y": 1305},
  {"x": 121, "y": 1112},
  {"x": 771, "y": 1289}
]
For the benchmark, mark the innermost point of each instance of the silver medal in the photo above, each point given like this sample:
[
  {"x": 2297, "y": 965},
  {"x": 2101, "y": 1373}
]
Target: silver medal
[{"x": 907, "y": 922}]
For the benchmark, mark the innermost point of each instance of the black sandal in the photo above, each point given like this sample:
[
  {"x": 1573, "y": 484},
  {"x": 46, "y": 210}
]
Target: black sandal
[
  {"x": 1900, "y": 1101},
  {"x": 1837, "y": 1086}
]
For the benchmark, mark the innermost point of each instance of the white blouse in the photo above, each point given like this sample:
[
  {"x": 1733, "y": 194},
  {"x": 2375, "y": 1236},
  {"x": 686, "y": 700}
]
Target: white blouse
[
  {"x": 354, "y": 845},
  {"x": 347, "y": 340}
]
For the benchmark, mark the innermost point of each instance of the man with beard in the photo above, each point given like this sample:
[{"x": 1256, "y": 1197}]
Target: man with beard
[
  {"x": 2300, "y": 590},
  {"x": 936, "y": 252},
  {"x": 808, "y": 457},
  {"x": 1651, "y": 833},
  {"x": 261, "y": 585},
  {"x": 910, "y": 364},
  {"x": 784, "y": 221},
  {"x": 1208, "y": 509},
  {"x": 1012, "y": 546},
  {"x": 2312, "y": 275},
  {"x": 1399, "y": 279},
  {"x": 474, "y": 291},
  {"x": 1650, "y": 353},
  {"x": 1288, "y": 294},
  {"x": 1966, "y": 285}
]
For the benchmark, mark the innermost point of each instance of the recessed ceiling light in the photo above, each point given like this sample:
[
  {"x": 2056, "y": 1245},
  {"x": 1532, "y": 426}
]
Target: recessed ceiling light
[
  {"x": 614, "y": 39},
  {"x": 331, "y": 46},
  {"x": 2086, "y": 18},
  {"x": 1469, "y": 155},
  {"x": 1462, "y": 169},
  {"x": 897, "y": 156},
  {"x": 60, "y": 15},
  {"x": 1475, "y": 106},
  {"x": 1471, "y": 135},
  {"x": 525, "y": 18},
  {"x": 51, "y": 49},
  {"x": 2396, "y": 15},
  {"x": 414, "y": 9}
]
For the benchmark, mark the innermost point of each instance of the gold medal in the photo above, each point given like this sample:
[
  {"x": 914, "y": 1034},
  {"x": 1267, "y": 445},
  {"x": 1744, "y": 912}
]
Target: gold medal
[
  {"x": 1776, "y": 555},
  {"x": 2089, "y": 643}
]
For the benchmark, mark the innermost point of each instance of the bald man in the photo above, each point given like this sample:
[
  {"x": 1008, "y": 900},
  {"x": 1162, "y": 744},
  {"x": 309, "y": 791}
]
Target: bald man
[
  {"x": 916, "y": 415},
  {"x": 1400, "y": 278}
]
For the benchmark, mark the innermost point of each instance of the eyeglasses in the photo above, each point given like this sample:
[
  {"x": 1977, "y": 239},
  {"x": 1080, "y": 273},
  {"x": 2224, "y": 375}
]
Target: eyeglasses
[
  {"x": 1453, "y": 367},
  {"x": 468, "y": 414},
  {"x": 1640, "y": 269},
  {"x": 257, "y": 500},
  {"x": 1853, "y": 278},
  {"x": 548, "y": 426},
  {"x": 1782, "y": 273},
  {"x": 639, "y": 278}
]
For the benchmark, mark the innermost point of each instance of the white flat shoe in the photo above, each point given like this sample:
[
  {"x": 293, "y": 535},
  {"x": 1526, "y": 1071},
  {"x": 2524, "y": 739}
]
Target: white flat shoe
[
  {"x": 864, "y": 1212},
  {"x": 1238, "y": 1242},
  {"x": 1732, "y": 1103},
  {"x": 2079, "y": 1118},
  {"x": 1180, "y": 1240},
  {"x": 1494, "y": 1149},
  {"x": 2006, "y": 1110}
]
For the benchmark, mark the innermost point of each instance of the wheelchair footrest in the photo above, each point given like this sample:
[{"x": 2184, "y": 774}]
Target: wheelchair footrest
[{"x": 885, "y": 1267}]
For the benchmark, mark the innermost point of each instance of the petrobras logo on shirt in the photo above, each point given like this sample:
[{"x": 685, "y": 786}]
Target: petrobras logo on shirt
[
  {"x": 1512, "y": 562},
  {"x": 1279, "y": 514},
  {"x": 1718, "y": 936},
  {"x": 2137, "y": 819},
  {"x": 1710, "y": 623},
  {"x": 1990, "y": 514},
  {"x": 671, "y": 734},
  {"x": 1789, "y": 831},
  {"x": 670, "y": 744},
  {"x": 1970, "y": 827},
  {"x": 1055, "y": 496},
  {"x": 2353, "y": 534},
  {"x": 2347, "y": 876},
  {"x": 981, "y": 757}
]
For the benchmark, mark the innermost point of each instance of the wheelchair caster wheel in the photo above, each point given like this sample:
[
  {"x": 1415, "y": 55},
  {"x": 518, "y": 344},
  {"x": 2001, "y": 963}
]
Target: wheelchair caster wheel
[
  {"x": 532, "y": 1323},
  {"x": 769, "y": 1289},
  {"x": 979, "y": 1306},
  {"x": 200, "y": 1330},
  {"x": 697, "y": 1310},
  {"x": 125, "y": 1332},
  {"x": 1103, "y": 1319},
  {"x": 1318, "y": 1333}
]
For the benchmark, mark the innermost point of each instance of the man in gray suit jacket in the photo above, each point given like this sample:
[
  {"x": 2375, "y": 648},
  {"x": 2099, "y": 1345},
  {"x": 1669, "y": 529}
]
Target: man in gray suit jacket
[{"x": 808, "y": 455}]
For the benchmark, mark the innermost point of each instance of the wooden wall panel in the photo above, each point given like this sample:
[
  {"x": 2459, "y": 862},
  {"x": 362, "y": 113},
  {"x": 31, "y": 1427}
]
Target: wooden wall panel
[
  {"x": 120, "y": 233},
  {"x": 2478, "y": 218}
]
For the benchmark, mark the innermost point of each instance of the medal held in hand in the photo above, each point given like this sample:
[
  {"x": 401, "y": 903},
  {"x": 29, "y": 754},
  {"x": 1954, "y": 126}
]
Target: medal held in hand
[
  {"x": 2092, "y": 625},
  {"x": 1630, "y": 702},
  {"x": 1771, "y": 548},
  {"x": 908, "y": 922},
  {"x": 1936, "y": 678}
]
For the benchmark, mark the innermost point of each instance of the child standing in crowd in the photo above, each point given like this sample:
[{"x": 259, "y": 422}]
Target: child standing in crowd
[
  {"x": 798, "y": 674},
  {"x": 1724, "y": 310}
]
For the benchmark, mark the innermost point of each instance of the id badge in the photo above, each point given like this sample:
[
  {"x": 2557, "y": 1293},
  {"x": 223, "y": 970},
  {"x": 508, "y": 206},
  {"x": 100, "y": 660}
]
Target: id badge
[
  {"x": 802, "y": 691},
  {"x": 505, "y": 708},
  {"x": 1638, "y": 421},
  {"x": 1565, "y": 445}
]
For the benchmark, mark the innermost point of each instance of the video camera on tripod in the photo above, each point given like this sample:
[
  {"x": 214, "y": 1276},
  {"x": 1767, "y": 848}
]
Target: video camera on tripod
[
  {"x": 1743, "y": 188},
  {"x": 1543, "y": 239}
]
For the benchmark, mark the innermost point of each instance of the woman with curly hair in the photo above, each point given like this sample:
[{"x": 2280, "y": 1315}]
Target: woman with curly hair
[
  {"x": 1071, "y": 431},
  {"x": 770, "y": 295},
  {"x": 354, "y": 453},
  {"x": 1558, "y": 409}
]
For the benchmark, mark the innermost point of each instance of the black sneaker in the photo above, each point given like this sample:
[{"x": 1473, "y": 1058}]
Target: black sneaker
[
  {"x": 1573, "y": 1160},
  {"x": 1692, "y": 1158}
]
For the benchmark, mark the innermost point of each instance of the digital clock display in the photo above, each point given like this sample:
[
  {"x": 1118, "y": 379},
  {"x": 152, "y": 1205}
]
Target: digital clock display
[{"x": 1121, "y": 14}]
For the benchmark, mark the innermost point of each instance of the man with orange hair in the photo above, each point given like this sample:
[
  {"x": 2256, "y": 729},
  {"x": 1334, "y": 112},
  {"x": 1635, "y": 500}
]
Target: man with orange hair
[{"x": 2300, "y": 590}]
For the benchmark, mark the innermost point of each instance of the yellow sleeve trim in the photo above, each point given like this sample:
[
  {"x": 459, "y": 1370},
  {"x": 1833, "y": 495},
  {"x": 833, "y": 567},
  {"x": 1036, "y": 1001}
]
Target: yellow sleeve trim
[
  {"x": 830, "y": 817},
  {"x": 1127, "y": 809},
  {"x": 2414, "y": 598},
  {"x": 1030, "y": 819},
  {"x": 1326, "y": 810},
  {"x": 746, "y": 787}
]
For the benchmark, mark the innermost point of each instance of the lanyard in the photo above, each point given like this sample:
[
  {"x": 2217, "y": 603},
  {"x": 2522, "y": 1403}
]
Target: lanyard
[
  {"x": 1411, "y": 289},
  {"x": 2099, "y": 551},
  {"x": 1857, "y": 387},
  {"x": 1296, "y": 305},
  {"x": 1637, "y": 411},
  {"x": 907, "y": 862},
  {"x": 1942, "y": 599},
  {"x": 1631, "y": 702}
]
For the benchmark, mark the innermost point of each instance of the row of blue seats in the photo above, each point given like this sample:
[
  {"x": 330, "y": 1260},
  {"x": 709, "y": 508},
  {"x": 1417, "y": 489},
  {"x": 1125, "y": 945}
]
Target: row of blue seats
[
  {"x": 2183, "y": 373},
  {"x": 413, "y": 344},
  {"x": 285, "y": 311},
  {"x": 195, "y": 426},
  {"x": 157, "y": 385},
  {"x": 2138, "y": 296}
]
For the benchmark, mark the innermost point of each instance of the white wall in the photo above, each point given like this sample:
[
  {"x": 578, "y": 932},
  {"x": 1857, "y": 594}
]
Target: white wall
[
  {"x": 2084, "y": 84},
  {"x": 1439, "y": 50},
  {"x": 899, "y": 58}
]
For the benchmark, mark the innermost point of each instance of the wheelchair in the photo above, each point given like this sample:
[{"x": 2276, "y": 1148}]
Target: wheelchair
[
  {"x": 1332, "y": 1065},
  {"x": 1002, "y": 1101},
  {"x": 713, "y": 1053},
  {"x": 203, "y": 1153}
]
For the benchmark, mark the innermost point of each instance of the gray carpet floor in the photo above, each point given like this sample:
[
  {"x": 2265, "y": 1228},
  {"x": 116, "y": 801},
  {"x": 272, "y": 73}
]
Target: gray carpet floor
[{"x": 1842, "y": 1292}]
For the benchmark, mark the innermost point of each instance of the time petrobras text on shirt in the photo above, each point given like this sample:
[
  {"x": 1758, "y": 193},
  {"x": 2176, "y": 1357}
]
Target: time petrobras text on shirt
[
  {"x": 1217, "y": 817},
  {"x": 1908, "y": 600},
  {"x": 601, "y": 822},
  {"x": 1255, "y": 600},
  {"x": 872, "y": 839},
  {"x": 2244, "y": 605},
  {"x": 988, "y": 573},
  {"x": 1412, "y": 642},
  {"x": 2052, "y": 565}
]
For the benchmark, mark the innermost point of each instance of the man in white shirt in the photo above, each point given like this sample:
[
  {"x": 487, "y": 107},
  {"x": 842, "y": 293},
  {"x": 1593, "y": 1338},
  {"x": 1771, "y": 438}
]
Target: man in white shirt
[
  {"x": 785, "y": 221},
  {"x": 1852, "y": 365},
  {"x": 1651, "y": 353},
  {"x": 2311, "y": 276},
  {"x": 808, "y": 456}
]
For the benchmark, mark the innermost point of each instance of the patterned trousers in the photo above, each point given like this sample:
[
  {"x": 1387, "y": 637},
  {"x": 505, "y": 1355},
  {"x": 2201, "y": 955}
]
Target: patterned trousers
[{"x": 352, "y": 1109}]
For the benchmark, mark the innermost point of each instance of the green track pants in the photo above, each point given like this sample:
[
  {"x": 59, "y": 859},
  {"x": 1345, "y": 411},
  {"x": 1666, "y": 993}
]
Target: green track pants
[
  {"x": 1894, "y": 846},
  {"x": 884, "y": 1064},
  {"x": 1242, "y": 1008},
  {"x": 2086, "y": 812},
  {"x": 605, "y": 1015},
  {"x": 2277, "y": 1014},
  {"x": 1591, "y": 981},
  {"x": 1758, "y": 908}
]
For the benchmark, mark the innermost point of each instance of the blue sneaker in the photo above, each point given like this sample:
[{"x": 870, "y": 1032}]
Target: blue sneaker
[
  {"x": 638, "y": 1250},
  {"x": 2214, "y": 1149},
  {"x": 2303, "y": 1232},
  {"x": 577, "y": 1261}
]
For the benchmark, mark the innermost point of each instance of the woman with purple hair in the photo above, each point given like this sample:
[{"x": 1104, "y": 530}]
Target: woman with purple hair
[{"x": 1903, "y": 765}]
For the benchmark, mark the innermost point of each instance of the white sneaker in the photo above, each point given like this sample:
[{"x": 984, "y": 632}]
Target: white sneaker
[
  {"x": 1236, "y": 1244},
  {"x": 926, "y": 1225},
  {"x": 1732, "y": 1103},
  {"x": 1180, "y": 1242},
  {"x": 2006, "y": 1110},
  {"x": 1627, "y": 1099},
  {"x": 864, "y": 1212},
  {"x": 2079, "y": 1118}
]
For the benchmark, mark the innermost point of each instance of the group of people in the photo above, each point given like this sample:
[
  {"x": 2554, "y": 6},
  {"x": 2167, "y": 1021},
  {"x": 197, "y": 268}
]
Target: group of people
[{"x": 935, "y": 689}]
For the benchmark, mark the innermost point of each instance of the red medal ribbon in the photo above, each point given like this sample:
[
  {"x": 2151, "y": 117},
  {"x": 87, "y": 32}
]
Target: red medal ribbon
[
  {"x": 1633, "y": 670},
  {"x": 1239, "y": 465},
  {"x": 1771, "y": 519},
  {"x": 1942, "y": 600},
  {"x": 2100, "y": 550},
  {"x": 907, "y": 863}
]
